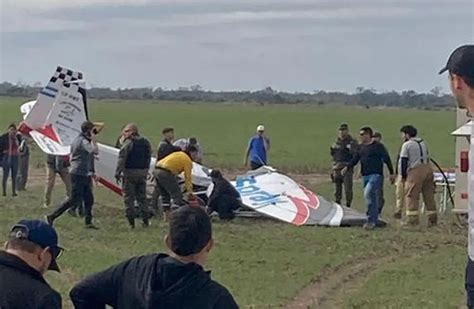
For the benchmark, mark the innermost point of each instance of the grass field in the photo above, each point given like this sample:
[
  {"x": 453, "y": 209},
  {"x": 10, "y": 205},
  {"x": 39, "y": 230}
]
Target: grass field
[
  {"x": 267, "y": 264},
  {"x": 301, "y": 135}
]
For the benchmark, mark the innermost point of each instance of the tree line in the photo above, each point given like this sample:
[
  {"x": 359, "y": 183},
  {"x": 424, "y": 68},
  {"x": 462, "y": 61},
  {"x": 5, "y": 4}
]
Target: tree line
[{"x": 362, "y": 97}]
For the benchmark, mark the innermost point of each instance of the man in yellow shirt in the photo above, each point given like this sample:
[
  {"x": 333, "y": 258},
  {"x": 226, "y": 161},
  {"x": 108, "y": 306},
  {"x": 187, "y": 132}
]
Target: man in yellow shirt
[{"x": 166, "y": 172}]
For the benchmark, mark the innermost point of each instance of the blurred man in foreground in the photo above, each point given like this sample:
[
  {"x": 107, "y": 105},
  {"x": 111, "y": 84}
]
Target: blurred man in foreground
[
  {"x": 460, "y": 67},
  {"x": 30, "y": 251},
  {"x": 171, "y": 281}
]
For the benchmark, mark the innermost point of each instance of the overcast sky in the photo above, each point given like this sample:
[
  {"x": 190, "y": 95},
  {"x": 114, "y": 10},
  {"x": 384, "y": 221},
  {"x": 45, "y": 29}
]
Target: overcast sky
[{"x": 291, "y": 45}]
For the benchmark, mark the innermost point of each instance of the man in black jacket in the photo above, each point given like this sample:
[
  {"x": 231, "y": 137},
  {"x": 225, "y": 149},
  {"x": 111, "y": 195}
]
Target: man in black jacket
[
  {"x": 9, "y": 154},
  {"x": 372, "y": 156},
  {"x": 170, "y": 281},
  {"x": 32, "y": 248},
  {"x": 224, "y": 198}
]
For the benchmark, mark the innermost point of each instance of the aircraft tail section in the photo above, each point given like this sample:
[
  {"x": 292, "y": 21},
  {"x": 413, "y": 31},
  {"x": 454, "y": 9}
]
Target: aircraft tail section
[{"x": 55, "y": 118}]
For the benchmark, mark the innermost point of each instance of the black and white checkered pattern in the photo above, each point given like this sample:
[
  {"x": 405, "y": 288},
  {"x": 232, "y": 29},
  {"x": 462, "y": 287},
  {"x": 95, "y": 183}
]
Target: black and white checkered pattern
[{"x": 63, "y": 77}]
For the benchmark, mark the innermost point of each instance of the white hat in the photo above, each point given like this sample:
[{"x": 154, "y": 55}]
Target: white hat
[{"x": 260, "y": 128}]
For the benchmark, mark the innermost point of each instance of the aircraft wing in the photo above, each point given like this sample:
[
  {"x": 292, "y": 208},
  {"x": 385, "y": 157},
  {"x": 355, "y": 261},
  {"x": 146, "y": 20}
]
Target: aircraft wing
[
  {"x": 55, "y": 118},
  {"x": 106, "y": 163},
  {"x": 280, "y": 197}
]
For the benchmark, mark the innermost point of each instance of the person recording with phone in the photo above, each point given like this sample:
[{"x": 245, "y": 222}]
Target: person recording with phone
[{"x": 83, "y": 149}]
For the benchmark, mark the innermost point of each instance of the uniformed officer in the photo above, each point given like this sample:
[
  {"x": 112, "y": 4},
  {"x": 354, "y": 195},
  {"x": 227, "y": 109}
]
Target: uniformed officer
[
  {"x": 132, "y": 170},
  {"x": 342, "y": 152},
  {"x": 461, "y": 79}
]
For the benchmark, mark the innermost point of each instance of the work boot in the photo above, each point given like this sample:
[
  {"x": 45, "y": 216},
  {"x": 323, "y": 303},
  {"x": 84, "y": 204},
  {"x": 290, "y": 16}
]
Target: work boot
[
  {"x": 72, "y": 212},
  {"x": 91, "y": 226},
  {"x": 131, "y": 222},
  {"x": 369, "y": 226},
  {"x": 49, "y": 220},
  {"x": 146, "y": 223},
  {"x": 432, "y": 221}
]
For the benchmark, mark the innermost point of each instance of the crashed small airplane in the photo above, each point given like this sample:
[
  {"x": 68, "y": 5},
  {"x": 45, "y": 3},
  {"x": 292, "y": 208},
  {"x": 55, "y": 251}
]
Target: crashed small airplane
[{"x": 54, "y": 120}]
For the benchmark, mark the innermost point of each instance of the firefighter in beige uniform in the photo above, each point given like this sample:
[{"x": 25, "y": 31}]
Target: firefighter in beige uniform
[
  {"x": 461, "y": 80},
  {"x": 417, "y": 174}
]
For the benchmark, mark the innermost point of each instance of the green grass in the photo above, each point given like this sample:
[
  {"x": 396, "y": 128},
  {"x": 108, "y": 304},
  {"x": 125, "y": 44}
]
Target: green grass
[
  {"x": 301, "y": 135},
  {"x": 265, "y": 263}
]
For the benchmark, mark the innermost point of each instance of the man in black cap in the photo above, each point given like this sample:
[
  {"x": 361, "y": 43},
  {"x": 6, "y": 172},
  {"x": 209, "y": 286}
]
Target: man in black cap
[
  {"x": 461, "y": 79},
  {"x": 31, "y": 250},
  {"x": 166, "y": 146},
  {"x": 160, "y": 280},
  {"x": 83, "y": 149},
  {"x": 342, "y": 152}
]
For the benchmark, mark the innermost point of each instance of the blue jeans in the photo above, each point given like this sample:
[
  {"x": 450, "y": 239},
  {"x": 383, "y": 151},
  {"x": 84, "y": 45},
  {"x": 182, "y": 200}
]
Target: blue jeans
[{"x": 372, "y": 194}]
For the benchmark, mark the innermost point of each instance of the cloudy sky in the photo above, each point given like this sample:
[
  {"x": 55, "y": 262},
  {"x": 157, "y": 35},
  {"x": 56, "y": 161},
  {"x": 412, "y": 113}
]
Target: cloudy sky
[{"x": 292, "y": 45}]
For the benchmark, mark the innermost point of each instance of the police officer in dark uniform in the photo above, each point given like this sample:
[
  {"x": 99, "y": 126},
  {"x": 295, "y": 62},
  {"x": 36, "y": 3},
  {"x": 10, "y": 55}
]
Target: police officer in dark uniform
[
  {"x": 342, "y": 152},
  {"x": 132, "y": 170}
]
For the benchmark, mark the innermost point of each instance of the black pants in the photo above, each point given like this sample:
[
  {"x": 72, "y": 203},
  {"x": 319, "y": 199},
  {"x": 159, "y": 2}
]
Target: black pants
[
  {"x": 9, "y": 164},
  {"x": 469, "y": 283},
  {"x": 225, "y": 206},
  {"x": 81, "y": 187},
  {"x": 255, "y": 165}
]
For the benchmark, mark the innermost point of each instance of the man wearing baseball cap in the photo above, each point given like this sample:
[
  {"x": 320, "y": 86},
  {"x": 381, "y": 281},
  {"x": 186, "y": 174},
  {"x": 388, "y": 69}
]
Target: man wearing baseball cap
[
  {"x": 258, "y": 147},
  {"x": 30, "y": 251},
  {"x": 461, "y": 79}
]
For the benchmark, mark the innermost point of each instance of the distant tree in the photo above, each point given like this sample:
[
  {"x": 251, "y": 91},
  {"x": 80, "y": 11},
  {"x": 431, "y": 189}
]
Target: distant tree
[{"x": 436, "y": 91}]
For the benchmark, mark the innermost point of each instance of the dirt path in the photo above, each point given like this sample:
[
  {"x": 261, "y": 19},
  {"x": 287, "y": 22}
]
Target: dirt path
[{"x": 328, "y": 289}]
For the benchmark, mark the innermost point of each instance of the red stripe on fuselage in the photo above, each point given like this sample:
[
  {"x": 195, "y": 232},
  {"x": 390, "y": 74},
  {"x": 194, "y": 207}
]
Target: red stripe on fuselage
[{"x": 109, "y": 185}]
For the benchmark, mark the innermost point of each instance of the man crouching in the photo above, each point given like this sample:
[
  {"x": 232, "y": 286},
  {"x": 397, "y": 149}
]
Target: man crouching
[{"x": 177, "y": 280}]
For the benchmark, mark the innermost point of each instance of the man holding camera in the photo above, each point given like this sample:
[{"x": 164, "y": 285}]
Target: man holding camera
[{"x": 83, "y": 150}]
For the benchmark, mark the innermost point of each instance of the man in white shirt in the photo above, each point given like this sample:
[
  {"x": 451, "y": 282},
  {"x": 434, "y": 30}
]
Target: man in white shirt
[{"x": 461, "y": 77}]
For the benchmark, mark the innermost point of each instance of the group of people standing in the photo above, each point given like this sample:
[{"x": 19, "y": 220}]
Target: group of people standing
[{"x": 413, "y": 174}]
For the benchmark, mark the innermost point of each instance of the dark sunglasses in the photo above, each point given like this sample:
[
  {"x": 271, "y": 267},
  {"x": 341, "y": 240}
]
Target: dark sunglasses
[{"x": 56, "y": 252}]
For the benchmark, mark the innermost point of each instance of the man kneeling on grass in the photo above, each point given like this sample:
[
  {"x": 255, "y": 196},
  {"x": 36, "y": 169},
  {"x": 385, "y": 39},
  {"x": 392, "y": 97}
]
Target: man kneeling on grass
[{"x": 177, "y": 280}]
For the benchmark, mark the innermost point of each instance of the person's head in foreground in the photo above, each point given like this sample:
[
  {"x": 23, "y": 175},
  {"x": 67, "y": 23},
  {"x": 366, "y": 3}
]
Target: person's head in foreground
[
  {"x": 365, "y": 135},
  {"x": 129, "y": 130},
  {"x": 177, "y": 280},
  {"x": 190, "y": 235},
  {"x": 377, "y": 137},
  {"x": 36, "y": 243},
  {"x": 168, "y": 134},
  {"x": 192, "y": 152},
  {"x": 408, "y": 132},
  {"x": 460, "y": 67},
  {"x": 260, "y": 130},
  {"x": 12, "y": 129},
  {"x": 343, "y": 130}
]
